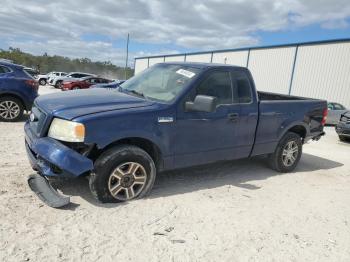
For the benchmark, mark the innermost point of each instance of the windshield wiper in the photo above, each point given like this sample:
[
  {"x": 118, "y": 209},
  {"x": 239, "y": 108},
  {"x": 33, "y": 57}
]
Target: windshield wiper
[{"x": 135, "y": 92}]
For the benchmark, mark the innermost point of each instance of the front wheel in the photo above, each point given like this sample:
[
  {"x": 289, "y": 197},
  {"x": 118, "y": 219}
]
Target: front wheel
[
  {"x": 287, "y": 154},
  {"x": 42, "y": 82},
  {"x": 121, "y": 174}
]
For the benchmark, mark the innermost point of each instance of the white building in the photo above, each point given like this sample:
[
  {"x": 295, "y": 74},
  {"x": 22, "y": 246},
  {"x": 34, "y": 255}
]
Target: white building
[{"x": 313, "y": 69}]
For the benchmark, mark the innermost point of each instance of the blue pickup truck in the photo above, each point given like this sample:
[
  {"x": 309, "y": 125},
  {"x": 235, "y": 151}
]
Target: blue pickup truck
[{"x": 171, "y": 116}]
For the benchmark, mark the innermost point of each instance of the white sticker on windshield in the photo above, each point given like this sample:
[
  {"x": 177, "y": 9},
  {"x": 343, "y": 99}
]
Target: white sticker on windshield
[{"x": 186, "y": 73}]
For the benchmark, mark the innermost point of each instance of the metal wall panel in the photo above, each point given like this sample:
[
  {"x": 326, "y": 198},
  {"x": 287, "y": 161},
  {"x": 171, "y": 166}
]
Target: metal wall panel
[
  {"x": 238, "y": 58},
  {"x": 155, "y": 60},
  {"x": 272, "y": 68},
  {"x": 140, "y": 65},
  {"x": 323, "y": 71},
  {"x": 179, "y": 58},
  {"x": 203, "y": 58}
]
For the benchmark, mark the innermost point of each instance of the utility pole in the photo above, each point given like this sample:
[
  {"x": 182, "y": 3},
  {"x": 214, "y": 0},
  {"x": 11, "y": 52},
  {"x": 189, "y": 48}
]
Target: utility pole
[{"x": 127, "y": 57}]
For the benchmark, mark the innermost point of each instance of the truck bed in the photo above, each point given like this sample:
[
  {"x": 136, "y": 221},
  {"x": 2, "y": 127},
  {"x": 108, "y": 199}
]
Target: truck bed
[
  {"x": 266, "y": 96},
  {"x": 278, "y": 113}
]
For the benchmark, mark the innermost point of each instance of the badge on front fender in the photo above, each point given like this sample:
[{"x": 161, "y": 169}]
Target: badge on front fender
[{"x": 165, "y": 119}]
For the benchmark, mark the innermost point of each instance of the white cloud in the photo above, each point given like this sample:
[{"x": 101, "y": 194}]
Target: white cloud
[{"x": 58, "y": 27}]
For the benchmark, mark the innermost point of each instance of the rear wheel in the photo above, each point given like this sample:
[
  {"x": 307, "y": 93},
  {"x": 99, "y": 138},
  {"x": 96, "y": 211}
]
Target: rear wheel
[
  {"x": 58, "y": 84},
  {"x": 121, "y": 174},
  {"x": 287, "y": 154},
  {"x": 11, "y": 109}
]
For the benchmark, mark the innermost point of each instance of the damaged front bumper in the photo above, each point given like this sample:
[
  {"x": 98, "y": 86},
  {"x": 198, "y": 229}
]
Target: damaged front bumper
[
  {"x": 46, "y": 193},
  {"x": 50, "y": 158}
]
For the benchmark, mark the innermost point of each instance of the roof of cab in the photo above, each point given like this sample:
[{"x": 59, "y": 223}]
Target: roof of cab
[{"x": 203, "y": 65}]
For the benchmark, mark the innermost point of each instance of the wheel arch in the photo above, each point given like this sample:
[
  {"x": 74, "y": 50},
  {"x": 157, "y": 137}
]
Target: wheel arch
[
  {"x": 9, "y": 94},
  {"x": 299, "y": 128},
  {"x": 146, "y": 144}
]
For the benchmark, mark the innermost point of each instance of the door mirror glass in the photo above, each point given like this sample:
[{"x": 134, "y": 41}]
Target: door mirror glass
[{"x": 202, "y": 103}]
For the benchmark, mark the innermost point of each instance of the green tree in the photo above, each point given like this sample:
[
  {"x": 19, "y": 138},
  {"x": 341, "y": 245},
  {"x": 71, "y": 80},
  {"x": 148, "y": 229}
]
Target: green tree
[{"x": 46, "y": 63}]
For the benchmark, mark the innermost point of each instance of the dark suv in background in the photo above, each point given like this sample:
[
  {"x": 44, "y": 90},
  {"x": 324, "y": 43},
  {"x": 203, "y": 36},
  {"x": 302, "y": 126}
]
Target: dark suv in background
[
  {"x": 18, "y": 89},
  {"x": 343, "y": 127}
]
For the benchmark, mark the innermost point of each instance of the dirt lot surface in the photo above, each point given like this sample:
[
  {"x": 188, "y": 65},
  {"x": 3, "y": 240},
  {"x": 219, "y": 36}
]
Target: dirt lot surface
[{"x": 236, "y": 211}]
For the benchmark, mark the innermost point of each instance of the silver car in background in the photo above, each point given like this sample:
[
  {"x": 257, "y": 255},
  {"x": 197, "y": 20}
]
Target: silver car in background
[{"x": 335, "y": 110}]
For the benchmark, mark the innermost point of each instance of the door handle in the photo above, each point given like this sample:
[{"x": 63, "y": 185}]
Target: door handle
[{"x": 233, "y": 117}]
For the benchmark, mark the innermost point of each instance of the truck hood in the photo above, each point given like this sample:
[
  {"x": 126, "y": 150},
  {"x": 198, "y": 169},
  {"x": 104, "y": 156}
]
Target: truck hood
[{"x": 72, "y": 104}]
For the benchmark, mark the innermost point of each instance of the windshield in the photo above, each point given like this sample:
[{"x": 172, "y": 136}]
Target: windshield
[{"x": 162, "y": 82}]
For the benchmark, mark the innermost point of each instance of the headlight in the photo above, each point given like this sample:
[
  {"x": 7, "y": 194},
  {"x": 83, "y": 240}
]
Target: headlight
[{"x": 67, "y": 130}]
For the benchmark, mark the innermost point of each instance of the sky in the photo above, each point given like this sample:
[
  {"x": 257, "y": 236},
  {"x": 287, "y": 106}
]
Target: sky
[{"x": 98, "y": 29}]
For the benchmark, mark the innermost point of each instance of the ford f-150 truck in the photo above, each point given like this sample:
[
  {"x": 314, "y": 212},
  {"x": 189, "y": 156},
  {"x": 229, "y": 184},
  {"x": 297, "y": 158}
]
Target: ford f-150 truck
[{"x": 172, "y": 115}]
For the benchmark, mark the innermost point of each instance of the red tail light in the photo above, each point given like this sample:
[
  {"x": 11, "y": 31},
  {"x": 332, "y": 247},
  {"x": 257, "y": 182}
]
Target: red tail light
[
  {"x": 33, "y": 84},
  {"x": 324, "y": 118}
]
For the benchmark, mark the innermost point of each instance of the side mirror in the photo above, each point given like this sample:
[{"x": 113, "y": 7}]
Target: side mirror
[{"x": 202, "y": 103}]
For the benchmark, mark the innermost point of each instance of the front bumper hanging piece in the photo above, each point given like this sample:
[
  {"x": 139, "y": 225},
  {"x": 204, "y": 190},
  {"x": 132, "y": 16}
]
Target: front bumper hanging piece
[{"x": 46, "y": 193}]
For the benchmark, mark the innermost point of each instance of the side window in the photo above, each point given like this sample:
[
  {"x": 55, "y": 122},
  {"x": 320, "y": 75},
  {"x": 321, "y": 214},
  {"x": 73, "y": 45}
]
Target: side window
[
  {"x": 244, "y": 89},
  {"x": 330, "y": 106},
  {"x": 217, "y": 84},
  {"x": 338, "y": 107},
  {"x": 4, "y": 70}
]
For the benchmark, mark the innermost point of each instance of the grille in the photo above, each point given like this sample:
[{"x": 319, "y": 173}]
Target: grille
[
  {"x": 345, "y": 119},
  {"x": 38, "y": 120}
]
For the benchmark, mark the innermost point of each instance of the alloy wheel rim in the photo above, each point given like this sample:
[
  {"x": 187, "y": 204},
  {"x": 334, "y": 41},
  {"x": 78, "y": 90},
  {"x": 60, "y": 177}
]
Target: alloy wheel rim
[
  {"x": 290, "y": 153},
  {"x": 9, "y": 110},
  {"x": 127, "y": 181}
]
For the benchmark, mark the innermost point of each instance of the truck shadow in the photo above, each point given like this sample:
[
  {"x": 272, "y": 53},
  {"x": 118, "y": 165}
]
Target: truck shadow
[{"x": 239, "y": 173}]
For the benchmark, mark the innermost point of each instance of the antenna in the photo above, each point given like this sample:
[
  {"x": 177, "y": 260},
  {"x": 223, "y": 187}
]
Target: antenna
[{"x": 127, "y": 56}]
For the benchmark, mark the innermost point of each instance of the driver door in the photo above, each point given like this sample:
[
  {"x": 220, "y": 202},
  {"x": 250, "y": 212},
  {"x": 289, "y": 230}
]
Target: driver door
[{"x": 204, "y": 137}]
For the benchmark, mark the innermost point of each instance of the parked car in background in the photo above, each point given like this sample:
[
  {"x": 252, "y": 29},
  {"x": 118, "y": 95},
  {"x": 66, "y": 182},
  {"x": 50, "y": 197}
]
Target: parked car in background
[
  {"x": 33, "y": 72},
  {"x": 57, "y": 81},
  {"x": 54, "y": 75},
  {"x": 18, "y": 89},
  {"x": 198, "y": 114},
  {"x": 343, "y": 127},
  {"x": 43, "y": 79},
  {"x": 113, "y": 84},
  {"x": 83, "y": 83},
  {"x": 334, "y": 112}
]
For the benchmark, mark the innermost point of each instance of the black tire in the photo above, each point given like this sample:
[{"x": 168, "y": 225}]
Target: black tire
[
  {"x": 106, "y": 165},
  {"x": 58, "y": 84},
  {"x": 278, "y": 161},
  {"x": 16, "y": 112},
  {"x": 342, "y": 138},
  {"x": 42, "y": 81}
]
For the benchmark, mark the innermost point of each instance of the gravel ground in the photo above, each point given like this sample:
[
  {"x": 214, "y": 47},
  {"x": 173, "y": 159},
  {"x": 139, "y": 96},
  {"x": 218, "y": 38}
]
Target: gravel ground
[{"x": 236, "y": 211}]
